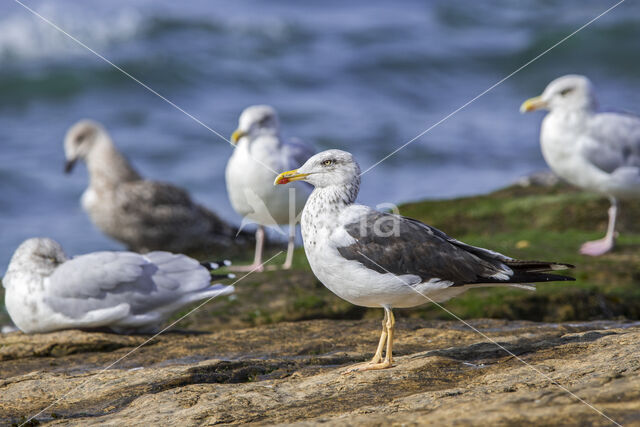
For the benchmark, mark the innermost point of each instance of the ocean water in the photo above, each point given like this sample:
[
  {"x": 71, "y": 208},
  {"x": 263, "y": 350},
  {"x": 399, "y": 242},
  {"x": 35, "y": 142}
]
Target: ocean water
[{"x": 365, "y": 76}]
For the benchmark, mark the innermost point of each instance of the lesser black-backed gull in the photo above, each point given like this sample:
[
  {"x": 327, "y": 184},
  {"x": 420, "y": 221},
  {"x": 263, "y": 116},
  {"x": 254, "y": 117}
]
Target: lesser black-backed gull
[{"x": 377, "y": 259}]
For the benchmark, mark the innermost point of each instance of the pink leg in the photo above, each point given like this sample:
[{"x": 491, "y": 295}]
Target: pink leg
[
  {"x": 604, "y": 245},
  {"x": 257, "y": 260},
  {"x": 290, "y": 249}
]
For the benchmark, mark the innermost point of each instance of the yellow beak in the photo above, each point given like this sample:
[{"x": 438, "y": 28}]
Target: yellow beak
[
  {"x": 289, "y": 176},
  {"x": 236, "y": 135},
  {"x": 532, "y": 104}
]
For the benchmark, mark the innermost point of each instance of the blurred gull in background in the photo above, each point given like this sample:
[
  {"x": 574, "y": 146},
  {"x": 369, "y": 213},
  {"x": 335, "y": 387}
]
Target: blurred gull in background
[
  {"x": 144, "y": 215},
  {"x": 260, "y": 152},
  {"x": 120, "y": 291},
  {"x": 598, "y": 151}
]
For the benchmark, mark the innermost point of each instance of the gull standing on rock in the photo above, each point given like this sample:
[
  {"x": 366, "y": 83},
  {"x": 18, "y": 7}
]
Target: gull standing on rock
[
  {"x": 259, "y": 154},
  {"x": 376, "y": 259},
  {"x": 598, "y": 151},
  {"x": 144, "y": 215},
  {"x": 121, "y": 291}
]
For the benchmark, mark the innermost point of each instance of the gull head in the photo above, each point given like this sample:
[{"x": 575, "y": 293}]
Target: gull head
[
  {"x": 256, "y": 120},
  {"x": 331, "y": 167},
  {"x": 80, "y": 140},
  {"x": 567, "y": 93},
  {"x": 39, "y": 255}
]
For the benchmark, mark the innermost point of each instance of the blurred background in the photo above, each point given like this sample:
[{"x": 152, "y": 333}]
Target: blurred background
[{"x": 364, "y": 76}]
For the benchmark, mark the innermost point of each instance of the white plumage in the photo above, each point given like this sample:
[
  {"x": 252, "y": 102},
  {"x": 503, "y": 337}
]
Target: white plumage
[
  {"x": 121, "y": 291},
  {"x": 259, "y": 154},
  {"x": 594, "y": 150}
]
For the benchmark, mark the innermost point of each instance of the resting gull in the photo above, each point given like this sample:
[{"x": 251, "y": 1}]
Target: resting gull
[
  {"x": 144, "y": 215},
  {"x": 120, "y": 291},
  {"x": 260, "y": 151},
  {"x": 598, "y": 151},
  {"x": 377, "y": 259}
]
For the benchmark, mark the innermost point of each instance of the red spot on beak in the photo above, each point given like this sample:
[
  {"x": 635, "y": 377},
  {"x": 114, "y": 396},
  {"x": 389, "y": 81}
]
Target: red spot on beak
[{"x": 283, "y": 180}]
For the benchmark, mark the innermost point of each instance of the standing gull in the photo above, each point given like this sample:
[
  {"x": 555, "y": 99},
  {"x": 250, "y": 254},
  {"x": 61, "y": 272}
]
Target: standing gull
[
  {"x": 259, "y": 153},
  {"x": 144, "y": 215},
  {"x": 598, "y": 151},
  {"x": 376, "y": 259},
  {"x": 120, "y": 291}
]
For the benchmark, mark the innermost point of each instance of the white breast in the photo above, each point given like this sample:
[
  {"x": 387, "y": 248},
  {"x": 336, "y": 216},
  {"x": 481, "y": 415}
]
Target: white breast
[
  {"x": 89, "y": 199},
  {"x": 25, "y": 300},
  {"x": 560, "y": 140},
  {"x": 249, "y": 179}
]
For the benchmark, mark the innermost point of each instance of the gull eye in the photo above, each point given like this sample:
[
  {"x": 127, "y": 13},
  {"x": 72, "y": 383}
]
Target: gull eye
[
  {"x": 327, "y": 163},
  {"x": 567, "y": 91}
]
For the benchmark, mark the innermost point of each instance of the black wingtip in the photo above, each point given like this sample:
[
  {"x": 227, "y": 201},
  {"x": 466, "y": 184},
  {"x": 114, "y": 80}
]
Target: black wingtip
[
  {"x": 216, "y": 264},
  {"x": 223, "y": 276}
]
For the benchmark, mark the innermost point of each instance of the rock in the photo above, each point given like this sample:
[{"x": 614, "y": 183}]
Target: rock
[{"x": 293, "y": 372}]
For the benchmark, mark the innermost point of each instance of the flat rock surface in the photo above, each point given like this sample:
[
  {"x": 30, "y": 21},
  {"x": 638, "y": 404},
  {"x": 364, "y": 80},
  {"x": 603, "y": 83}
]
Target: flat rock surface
[{"x": 294, "y": 373}]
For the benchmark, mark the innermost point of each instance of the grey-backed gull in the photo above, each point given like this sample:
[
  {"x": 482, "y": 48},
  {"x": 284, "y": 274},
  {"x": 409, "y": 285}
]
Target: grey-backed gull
[
  {"x": 259, "y": 153},
  {"x": 598, "y": 151},
  {"x": 120, "y": 291},
  {"x": 377, "y": 259},
  {"x": 144, "y": 215}
]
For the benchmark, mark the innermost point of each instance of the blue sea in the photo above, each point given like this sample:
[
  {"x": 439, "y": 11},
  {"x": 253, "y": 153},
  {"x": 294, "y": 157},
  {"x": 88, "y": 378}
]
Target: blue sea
[{"x": 364, "y": 76}]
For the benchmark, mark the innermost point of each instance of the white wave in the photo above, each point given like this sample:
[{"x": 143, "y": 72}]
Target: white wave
[{"x": 25, "y": 36}]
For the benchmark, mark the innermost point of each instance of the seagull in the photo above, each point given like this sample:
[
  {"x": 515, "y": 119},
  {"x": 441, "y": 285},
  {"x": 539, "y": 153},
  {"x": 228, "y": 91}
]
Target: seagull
[
  {"x": 377, "y": 259},
  {"x": 144, "y": 215},
  {"x": 259, "y": 153},
  {"x": 120, "y": 291},
  {"x": 594, "y": 150}
]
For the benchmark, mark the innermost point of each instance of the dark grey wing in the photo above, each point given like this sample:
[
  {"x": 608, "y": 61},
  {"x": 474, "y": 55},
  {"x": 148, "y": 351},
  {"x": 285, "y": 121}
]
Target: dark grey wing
[
  {"x": 392, "y": 243},
  {"x": 612, "y": 141}
]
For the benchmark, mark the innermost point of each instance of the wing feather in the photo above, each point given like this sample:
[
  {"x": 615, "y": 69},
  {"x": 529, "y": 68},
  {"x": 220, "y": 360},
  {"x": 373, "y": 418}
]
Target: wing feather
[
  {"x": 612, "y": 141},
  {"x": 392, "y": 243}
]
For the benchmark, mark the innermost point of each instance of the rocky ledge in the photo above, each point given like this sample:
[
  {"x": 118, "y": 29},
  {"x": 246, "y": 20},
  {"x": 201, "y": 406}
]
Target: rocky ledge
[{"x": 445, "y": 373}]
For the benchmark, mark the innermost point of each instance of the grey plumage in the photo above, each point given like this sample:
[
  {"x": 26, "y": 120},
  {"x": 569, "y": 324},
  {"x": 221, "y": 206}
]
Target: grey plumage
[{"x": 614, "y": 141}]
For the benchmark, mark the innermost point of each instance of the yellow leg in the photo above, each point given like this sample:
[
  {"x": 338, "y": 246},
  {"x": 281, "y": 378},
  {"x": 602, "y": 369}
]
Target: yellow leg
[
  {"x": 391, "y": 323},
  {"x": 383, "y": 338},
  {"x": 387, "y": 335}
]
